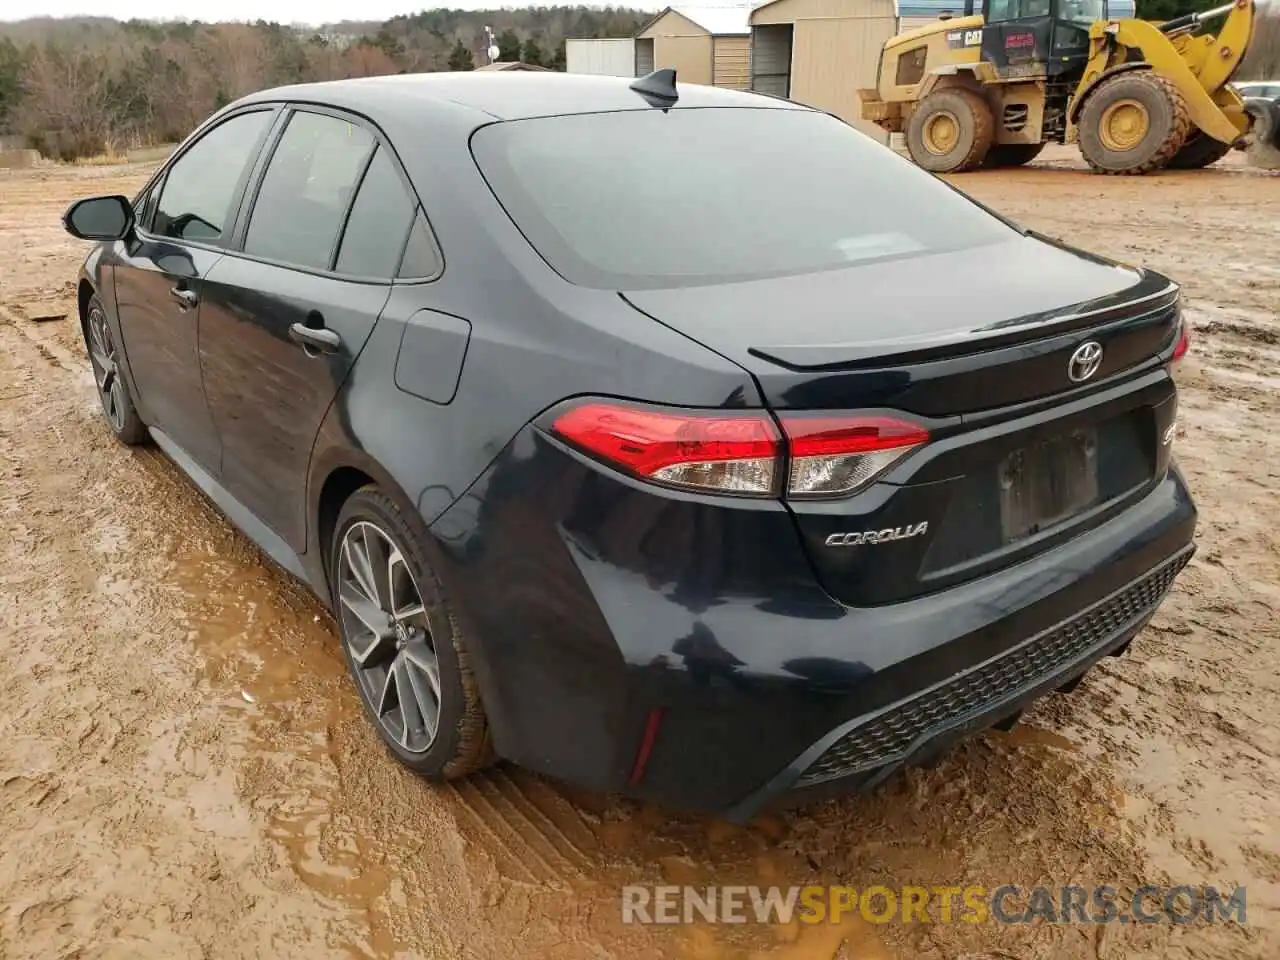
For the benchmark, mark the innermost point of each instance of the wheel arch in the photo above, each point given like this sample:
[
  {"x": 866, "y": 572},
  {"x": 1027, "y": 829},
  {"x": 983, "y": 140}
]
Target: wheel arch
[
  {"x": 967, "y": 75},
  {"x": 335, "y": 476},
  {"x": 84, "y": 293}
]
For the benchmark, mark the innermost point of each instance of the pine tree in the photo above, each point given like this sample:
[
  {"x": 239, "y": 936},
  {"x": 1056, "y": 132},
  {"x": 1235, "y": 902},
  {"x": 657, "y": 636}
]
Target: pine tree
[{"x": 460, "y": 58}]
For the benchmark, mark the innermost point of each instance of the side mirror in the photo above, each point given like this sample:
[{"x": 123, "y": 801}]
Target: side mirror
[{"x": 99, "y": 218}]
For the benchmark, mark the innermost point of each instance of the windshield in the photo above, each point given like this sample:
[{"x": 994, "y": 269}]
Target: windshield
[
  {"x": 646, "y": 198},
  {"x": 1083, "y": 12}
]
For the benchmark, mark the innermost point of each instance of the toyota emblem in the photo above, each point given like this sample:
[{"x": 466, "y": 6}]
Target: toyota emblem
[{"x": 1084, "y": 363}]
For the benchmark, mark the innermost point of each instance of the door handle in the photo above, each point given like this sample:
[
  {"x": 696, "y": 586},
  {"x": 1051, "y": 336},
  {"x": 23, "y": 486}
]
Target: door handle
[
  {"x": 320, "y": 339},
  {"x": 186, "y": 298}
]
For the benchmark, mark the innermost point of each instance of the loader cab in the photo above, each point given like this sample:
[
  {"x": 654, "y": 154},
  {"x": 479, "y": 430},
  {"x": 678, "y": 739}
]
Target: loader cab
[{"x": 1039, "y": 38}]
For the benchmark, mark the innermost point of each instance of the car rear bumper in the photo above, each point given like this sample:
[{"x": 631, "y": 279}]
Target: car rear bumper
[
  {"x": 863, "y": 752},
  {"x": 677, "y": 649}
]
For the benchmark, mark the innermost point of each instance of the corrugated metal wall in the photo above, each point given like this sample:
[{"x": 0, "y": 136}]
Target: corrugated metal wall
[
  {"x": 833, "y": 58},
  {"x": 731, "y": 62},
  {"x": 910, "y": 23},
  {"x": 644, "y": 57},
  {"x": 771, "y": 59},
  {"x": 607, "y": 58},
  {"x": 790, "y": 11},
  {"x": 681, "y": 45},
  {"x": 690, "y": 57}
]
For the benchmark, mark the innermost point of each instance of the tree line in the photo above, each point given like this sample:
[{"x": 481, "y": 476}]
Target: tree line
[{"x": 87, "y": 86}]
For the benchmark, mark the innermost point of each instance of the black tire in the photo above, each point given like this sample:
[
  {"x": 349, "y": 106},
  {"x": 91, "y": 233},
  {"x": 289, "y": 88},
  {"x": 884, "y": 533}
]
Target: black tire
[
  {"x": 1012, "y": 154},
  {"x": 1199, "y": 151},
  {"x": 460, "y": 745},
  {"x": 1168, "y": 124},
  {"x": 113, "y": 390},
  {"x": 974, "y": 125}
]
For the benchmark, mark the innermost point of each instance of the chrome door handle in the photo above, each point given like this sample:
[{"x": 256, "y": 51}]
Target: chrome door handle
[
  {"x": 320, "y": 339},
  {"x": 186, "y": 298}
]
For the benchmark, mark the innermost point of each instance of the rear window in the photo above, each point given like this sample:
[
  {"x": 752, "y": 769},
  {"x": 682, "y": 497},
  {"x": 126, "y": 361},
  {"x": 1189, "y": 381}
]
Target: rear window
[{"x": 647, "y": 199}]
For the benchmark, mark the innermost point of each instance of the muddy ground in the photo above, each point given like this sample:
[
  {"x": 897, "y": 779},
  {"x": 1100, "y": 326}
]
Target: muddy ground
[{"x": 184, "y": 771}]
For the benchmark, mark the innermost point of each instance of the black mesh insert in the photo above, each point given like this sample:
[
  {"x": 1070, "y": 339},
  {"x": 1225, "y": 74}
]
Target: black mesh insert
[{"x": 890, "y": 735}]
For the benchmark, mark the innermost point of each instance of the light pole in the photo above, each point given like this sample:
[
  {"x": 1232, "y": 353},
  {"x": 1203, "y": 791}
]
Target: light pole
[{"x": 492, "y": 48}]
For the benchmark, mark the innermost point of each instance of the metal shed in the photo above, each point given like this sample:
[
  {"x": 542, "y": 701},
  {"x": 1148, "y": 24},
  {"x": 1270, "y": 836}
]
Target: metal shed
[
  {"x": 819, "y": 52},
  {"x": 708, "y": 45}
]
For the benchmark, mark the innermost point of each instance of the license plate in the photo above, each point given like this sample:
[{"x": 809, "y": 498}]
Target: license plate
[{"x": 1043, "y": 484}]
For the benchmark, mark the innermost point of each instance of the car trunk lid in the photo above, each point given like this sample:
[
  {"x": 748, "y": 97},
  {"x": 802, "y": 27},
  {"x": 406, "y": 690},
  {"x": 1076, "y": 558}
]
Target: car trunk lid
[{"x": 979, "y": 347}]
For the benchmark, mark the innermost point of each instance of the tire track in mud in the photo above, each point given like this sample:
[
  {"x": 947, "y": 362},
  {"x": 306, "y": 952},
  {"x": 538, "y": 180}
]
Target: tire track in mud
[{"x": 517, "y": 818}]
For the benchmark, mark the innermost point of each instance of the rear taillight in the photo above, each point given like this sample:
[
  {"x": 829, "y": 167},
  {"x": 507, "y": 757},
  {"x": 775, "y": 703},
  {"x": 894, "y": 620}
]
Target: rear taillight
[
  {"x": 831, "y": 456},
  {"x": 741, "y": 453},
  {"x": 1183, "y": 344},
  {"x": 718, "y": 452}
]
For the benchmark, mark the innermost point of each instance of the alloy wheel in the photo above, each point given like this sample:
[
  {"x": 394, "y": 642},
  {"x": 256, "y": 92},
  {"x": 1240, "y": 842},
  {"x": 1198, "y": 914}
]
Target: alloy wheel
[
  {"x": 106, "y": 374},
  {"x": 388, "y": 637}
]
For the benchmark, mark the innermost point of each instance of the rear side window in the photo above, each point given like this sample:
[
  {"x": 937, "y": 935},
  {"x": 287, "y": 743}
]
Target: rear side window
[
  {"x": 380, "y": 217},
  {"x": 306, "y": 190},
  {"x": 195, "y": 200},
  {"x": 420, "y": 259},
  {"x": 646, "y": 198}
]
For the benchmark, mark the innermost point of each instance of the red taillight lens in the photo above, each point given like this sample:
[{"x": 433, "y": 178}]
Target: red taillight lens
[
  {"x": 741, "y": 453},
  {"x": 717, "y": 452},
  {"x": 840, "y": 455},
  {"x": 1184, "y": 343}
]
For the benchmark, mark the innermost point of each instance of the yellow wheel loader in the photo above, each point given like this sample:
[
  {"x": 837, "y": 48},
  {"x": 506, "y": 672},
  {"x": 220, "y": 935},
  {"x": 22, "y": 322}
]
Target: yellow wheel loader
[{"x": 991, "y": 89}]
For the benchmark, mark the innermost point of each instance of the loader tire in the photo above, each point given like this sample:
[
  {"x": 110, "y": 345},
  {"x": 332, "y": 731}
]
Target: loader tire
[
  {"x": 951, "y": 131},
  {"x": 1200, "y": 151},
  {"x": 1012, "y": 154},
  {"x": 1133, "y": 123}
]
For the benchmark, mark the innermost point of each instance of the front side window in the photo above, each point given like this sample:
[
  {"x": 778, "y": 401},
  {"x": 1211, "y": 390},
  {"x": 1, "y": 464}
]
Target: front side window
[
  {"x": 646, "y": 198},
  {"x": 195, "y": 200},
  {"x": 306, "y": 190}
]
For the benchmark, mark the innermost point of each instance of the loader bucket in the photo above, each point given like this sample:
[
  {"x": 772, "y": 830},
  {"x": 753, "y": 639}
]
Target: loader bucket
[{"x": 1264, "y": 141}]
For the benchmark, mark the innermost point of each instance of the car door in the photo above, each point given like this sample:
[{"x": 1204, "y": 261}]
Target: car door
[
  {"x": 286, "y": 314},
  {"x": 186, "y": 218}
]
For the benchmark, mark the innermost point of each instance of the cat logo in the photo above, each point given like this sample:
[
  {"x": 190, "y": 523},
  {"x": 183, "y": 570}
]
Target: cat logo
[{"x": 960, "y": 39}]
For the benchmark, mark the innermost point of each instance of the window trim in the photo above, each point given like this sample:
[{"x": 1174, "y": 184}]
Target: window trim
[
  {"x": 351, "y": 205},
  {"x": 160, "y": 179},
  {"x": 267, "y": 151}
]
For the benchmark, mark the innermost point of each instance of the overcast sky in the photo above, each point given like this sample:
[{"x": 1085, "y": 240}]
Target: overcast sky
[{"x": 283, "y": 11}]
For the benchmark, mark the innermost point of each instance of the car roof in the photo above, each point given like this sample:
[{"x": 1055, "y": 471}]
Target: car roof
[{"x": 502, "y": 95}]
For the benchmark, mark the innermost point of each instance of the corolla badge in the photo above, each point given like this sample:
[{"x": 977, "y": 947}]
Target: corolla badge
[
  {"x": 1085, "y": 361},
  {"x": 877, "y": 536}
]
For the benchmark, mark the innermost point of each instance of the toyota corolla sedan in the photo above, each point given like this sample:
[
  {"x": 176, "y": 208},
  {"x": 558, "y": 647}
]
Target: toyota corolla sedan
[{"x": 664, "y": 439}]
